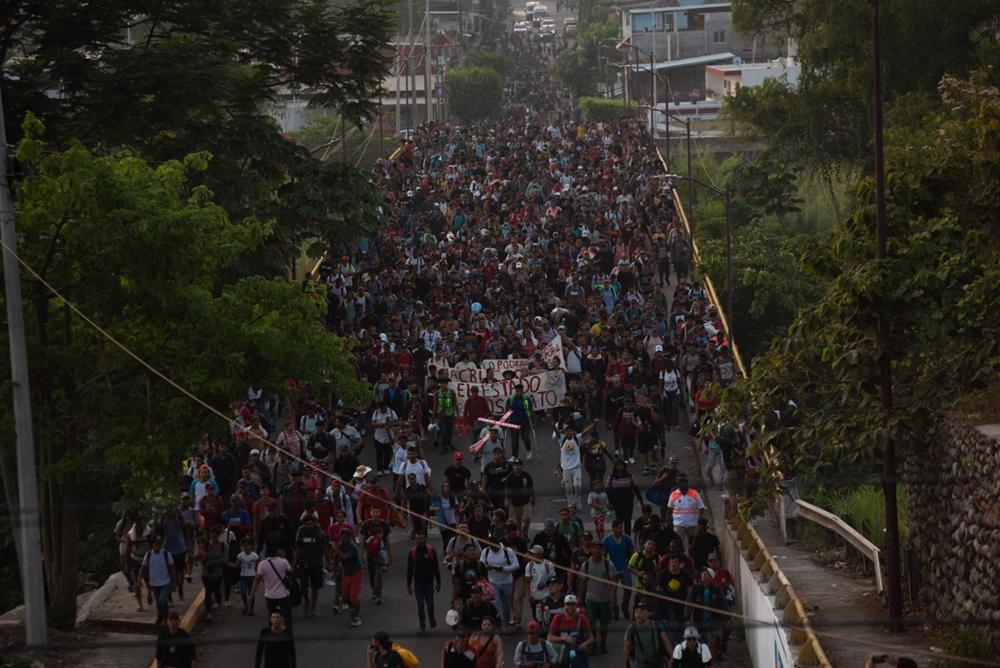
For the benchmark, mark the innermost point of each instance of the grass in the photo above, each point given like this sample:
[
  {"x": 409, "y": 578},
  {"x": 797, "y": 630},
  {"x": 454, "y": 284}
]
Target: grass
[
  {"x": 966, "y": 643},
  {"x": 864, "y": 509}
]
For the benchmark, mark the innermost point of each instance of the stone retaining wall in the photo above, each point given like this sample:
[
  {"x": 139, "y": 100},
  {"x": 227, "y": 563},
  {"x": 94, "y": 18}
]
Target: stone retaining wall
[{"x": 953, "y": 508}]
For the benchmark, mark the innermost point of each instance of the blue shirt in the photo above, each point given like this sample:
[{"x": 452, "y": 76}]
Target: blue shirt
[
  {"x": 618, "y": 552},
  {"x": 520, "y": 408},
  {"x": 173, "y": 535}
]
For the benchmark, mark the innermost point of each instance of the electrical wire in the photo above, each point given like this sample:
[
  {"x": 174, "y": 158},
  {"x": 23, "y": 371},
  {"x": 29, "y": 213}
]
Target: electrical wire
[{"x": 746, "y": 619}]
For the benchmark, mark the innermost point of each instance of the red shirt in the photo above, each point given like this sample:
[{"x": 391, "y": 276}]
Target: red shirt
[{"x": 561, "y": 623}]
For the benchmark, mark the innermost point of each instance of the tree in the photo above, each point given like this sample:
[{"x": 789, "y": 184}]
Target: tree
[
  {"x": 198, "y": 77},
  {"x": 938, "y": 284},
  {"x": 493, "y": 60},
  {"x": 578, "y": 66},
  {"x": 826, "y": 121},
  {"x": 605, "y": 110},
  {"x": 140, "y": 250},
  {"x": 473, "y": 93}
]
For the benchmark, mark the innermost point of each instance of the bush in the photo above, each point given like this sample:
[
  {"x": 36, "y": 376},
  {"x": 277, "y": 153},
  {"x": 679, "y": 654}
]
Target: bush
[
  {"x": 603, "y": 109},
  {"x": 864, "y": 509},
  {"x": 473, "y": 93},
  {"x": 493, "y": 60}
]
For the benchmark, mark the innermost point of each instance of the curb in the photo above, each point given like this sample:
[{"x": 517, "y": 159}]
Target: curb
[{"x": 190, "y": 619}]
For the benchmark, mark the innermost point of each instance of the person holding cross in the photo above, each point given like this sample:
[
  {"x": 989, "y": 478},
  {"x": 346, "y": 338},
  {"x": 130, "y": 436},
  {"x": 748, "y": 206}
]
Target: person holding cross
[{"x": 521, "y": 407}]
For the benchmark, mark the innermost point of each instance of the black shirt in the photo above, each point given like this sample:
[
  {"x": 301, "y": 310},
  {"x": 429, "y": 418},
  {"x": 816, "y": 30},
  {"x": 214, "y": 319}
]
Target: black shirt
[
  {"x": 520, "y": 488},
  {"x": 472, "y": 614},
  {"x": 496, "y": 476},
  {"x": 457, "y": 477},
  {"x": 276, "y": 649},
  {"x": 175, "y": 650}
]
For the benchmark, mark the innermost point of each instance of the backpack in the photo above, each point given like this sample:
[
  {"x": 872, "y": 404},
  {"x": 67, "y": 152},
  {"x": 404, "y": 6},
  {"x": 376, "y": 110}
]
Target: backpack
[
  {"x": 408, "y": 658},
  {"x": 634, "y": 641}
]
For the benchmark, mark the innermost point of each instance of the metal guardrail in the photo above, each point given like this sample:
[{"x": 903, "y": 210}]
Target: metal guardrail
[
  {"x": 828, "y": 520},
  {"x": 706, "y": 279},
  {"x": 793, "y": 615}
]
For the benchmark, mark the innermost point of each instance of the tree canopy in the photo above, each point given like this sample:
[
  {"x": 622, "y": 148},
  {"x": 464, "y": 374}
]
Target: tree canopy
[
  {"x": 167, "y": 79},
  {"x": 826, "y": 121},
  {"x": 938, "y": 285},
  {"x": 473, "y": 93},
  {"x": 108, "y": 431}
]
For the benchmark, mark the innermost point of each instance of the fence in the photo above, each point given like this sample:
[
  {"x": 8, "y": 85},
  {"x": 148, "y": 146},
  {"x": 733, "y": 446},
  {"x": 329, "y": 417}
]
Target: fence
[
  {"x": 764, "y": 590},
  {"x": 766, "y": 594},
  {"x": 827, "y": 520}
]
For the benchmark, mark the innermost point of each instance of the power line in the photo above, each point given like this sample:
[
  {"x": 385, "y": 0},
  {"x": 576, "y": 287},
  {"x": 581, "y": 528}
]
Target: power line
[{"x": 745, "y": 619}]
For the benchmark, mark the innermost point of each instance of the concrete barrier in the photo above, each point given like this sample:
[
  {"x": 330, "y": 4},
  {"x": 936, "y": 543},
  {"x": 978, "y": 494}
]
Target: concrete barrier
[
  {"x": 189, "y": 622},
  {"x": 781, "y": 634}
]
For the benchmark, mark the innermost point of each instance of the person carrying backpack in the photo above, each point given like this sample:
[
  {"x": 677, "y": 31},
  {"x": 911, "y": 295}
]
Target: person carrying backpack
[
  {"x": 646, "y": 643},
  {"x": 384, "y": 653},
  {"x": 692, "y": 653}
]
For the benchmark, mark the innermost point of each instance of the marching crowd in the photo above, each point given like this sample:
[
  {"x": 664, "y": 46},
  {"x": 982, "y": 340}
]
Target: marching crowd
[{"x": 497, "y": 239}]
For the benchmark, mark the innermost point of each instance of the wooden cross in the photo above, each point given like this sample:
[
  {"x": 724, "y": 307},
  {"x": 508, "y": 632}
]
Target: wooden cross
[{"x": 502, "y": 422}]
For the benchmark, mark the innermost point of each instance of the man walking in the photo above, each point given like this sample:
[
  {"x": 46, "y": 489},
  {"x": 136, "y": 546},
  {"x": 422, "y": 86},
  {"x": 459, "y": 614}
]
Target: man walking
[
  {"x": 158, "y": 570},
  {"x": 423, "y": 578},
  {"x": 521, "y": 408}
]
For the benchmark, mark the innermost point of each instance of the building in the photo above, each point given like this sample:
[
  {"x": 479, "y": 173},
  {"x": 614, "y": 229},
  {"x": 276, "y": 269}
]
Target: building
[
  {"x": 682, "y": 40},
  {"x": 724, "y": 80}
]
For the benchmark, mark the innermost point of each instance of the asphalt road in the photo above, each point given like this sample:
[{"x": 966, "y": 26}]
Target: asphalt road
[{"x": 327, "y": 639}]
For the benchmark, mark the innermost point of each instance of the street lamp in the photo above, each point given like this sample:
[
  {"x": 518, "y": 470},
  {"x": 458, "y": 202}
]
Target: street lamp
[
  {"x": 687, "y": 132},
  {"x": 727, "y": 198}
]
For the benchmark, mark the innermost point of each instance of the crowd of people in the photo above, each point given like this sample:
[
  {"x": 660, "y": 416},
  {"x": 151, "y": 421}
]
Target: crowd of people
[{"x": 497, "y": 238}]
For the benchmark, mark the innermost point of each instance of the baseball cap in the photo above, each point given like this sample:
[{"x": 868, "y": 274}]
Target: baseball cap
[
  {"x": 550, "y": 523},
  {"x": 411, "y": 446},
  {"x": 658, "y": 349},
  {"x": 690, "y": 632},
  {"x": 255, "y": 451},
  {"x": 642, "y": 604},
  {"x": 570, "y": 598},
  {"x": 714, "y": 556},
  {"x": 537, "y": 549},
  {"x": 457, "y": 456},
  {"x": 534, "y": 627}
]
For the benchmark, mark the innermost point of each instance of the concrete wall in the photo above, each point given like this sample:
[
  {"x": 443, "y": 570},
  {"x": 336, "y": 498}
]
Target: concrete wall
[{"x": 954, "y": 523}]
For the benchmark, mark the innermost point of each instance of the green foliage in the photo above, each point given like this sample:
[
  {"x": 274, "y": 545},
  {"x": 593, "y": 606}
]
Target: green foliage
[
  {"x": 197, "y": 77},
  {"x": 577, "y": 67},
  {"x": 822, "y": 123},
  {"x": 493, "y": 60},
  {"x": 473, "y": 93},
  {"x": 937, "y": 287},
  {"x": 604, "y": 109},
  {"x": 141, "y": 250},
  {"x": 864, "y": 509}
]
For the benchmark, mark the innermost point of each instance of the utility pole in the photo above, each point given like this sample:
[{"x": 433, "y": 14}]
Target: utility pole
[
  {"x": 731, "y": 337},
  {"x": 652, "y": 117},
  {"x": 28, "y": 513},
  {"x": 894, "y": 590},
  {"x": 410, "y": 64},
  {"x": 428, "y": 84}
]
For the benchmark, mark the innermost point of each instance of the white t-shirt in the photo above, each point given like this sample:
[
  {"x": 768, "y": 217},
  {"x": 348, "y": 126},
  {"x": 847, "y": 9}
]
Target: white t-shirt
[
  {"x": 386, "y": 417},
  {"x": 669, "y": 380},
  {"x": 248, "y": 563},
  {"x": 272, "y": 570},
  {"x": 539, "y": 573},
  {"x": 703, "y": 650},
  {"x": 419, "y": 469},
  {"x": 569, "y": 453},
  {"x": 503, "y": 558}
]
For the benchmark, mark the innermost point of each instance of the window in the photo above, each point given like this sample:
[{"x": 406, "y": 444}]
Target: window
[{"x": 718, "y": 36}]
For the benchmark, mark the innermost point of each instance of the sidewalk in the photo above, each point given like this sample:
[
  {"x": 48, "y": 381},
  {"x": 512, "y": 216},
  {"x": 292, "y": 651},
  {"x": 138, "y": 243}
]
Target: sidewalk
[{"x": 844, "y": 610}]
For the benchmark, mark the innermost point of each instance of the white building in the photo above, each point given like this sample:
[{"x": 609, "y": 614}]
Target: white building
[{"x": 725, "y": 80}]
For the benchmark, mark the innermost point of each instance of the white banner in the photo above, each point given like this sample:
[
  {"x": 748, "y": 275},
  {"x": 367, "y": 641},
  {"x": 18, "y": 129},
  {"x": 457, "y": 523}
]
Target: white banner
[
  {"x": 552, "y": 356},
  {"x": 546, "y": 388}
]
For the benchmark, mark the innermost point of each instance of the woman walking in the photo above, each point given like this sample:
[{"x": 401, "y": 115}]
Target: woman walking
[{"x": 275, "y": 646}]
